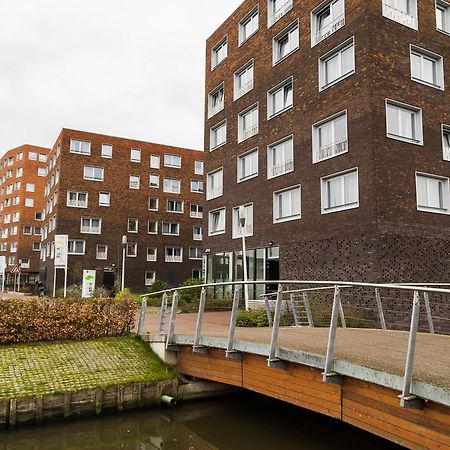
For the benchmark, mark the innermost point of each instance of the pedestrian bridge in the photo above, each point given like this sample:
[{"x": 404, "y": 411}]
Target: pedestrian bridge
[{"x": 391, "y": 382}]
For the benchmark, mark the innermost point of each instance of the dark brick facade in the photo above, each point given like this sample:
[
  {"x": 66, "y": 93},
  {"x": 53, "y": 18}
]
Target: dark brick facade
[{"x": 125, "y": 203}]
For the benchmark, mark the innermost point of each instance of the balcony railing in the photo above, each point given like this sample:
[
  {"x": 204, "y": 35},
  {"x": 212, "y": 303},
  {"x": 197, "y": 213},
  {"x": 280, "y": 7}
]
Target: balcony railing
[
  {"x": 240, "y": 91},
  {"x": 77, "y": 203},
  {"x": 214, "y": 192},
  {"x": 329, "y": 29},
  {"x": 398, "y": 15},
  {"x": 333, "y": 149},
  {"x": 280, "y": 12},
  {"x": 279, "y": 169},
  {"x": 174, "y": 258},
  {"x": 248, "y": 133}
]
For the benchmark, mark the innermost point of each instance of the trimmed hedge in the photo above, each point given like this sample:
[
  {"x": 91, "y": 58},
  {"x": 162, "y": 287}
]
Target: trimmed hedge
[{"x": 46, "y": 319}]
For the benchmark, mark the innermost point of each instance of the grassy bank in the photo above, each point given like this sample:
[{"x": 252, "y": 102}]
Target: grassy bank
[{"x": 38, "y": 369}]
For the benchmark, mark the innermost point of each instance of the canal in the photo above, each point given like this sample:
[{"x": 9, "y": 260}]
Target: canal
[{"x": 240, "y": 422}]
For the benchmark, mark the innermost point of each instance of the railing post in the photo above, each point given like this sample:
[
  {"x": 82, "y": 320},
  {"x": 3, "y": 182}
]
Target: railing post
[
  {"x": 231, "y": 352},
  {"x": 269, "y": 314},
  {"x": 341, "y": 313},
  {"x": 173, "y": 316},
  {"x": 328, "y": 375},
  {"x": 198, "y": 329},
  {"x": 308, "y": 310},
  {"x": 142, "y": 316},
  {"x": 163, "y": 313},
  {"x": 293, "y": 309},
  {"x": 406, "y": 399},
  {"x": 380, "y": 309},
  {"x": 428, "y": 310},
  {"x": 273, "y": 361}
]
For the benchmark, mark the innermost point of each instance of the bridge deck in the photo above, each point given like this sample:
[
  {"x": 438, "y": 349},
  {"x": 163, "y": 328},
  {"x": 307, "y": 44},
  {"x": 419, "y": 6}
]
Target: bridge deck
[{"x": 381, "y": 350}]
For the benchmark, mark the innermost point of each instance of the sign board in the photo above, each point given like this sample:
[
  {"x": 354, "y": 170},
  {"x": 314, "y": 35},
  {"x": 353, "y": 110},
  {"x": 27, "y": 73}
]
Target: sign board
[
  {"x": 61, "y": 244},
  {"x": 88, "y": 287},
  {"x": 2, "y": 264},
  {"x": 15, "y": 269}
]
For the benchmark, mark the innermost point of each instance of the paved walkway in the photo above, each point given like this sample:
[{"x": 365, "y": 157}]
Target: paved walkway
[{"x": 383, "y": 350}]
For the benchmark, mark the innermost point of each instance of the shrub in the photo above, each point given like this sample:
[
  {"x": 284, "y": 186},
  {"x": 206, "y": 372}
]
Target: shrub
[
  {"x": 210, "y": 305},
  {"x": 252, "y": 318},
  {"x": 190, "y": 295},
  {"x": 72, "y": 291},
  {"x": 158, "y": 285},
  {"x": 46, "y": 319},
  {"x": 101, "y": 292}
]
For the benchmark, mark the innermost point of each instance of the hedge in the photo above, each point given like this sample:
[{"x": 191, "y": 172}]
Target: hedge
[{"x": 45, "y": 319}]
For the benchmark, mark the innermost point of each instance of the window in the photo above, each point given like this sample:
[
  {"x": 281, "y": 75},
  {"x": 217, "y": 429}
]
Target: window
[
  {"x": 197, "y": 186},
  {"x": 13, "y": 248},
  {"x": 152, "y": 227},
  {"x": 401, "y": 11},
  {"x": 285, "y": 43},
  {"x": 171, "y": 228},
  {"x": 37, "y": 231},
  {"x": 198, "y": 167},
  {"x": 175, "y": 206},
  {"x": 248, "y": 25},
  {"x": 38, "y": 216},
  {"x": 277, "y": 9},
  {"x": 42, "y": 157},
  {"x": 154, "y": 161},
  {"x": 214, "y": 184},
  {"x": 27, "y": 229},
  {"x": 196, "y": 211},
  {"x": 94, "y": 173},
  {"x": 19, "y": 172},
  {"x": 77, "y": 199},
  {"x": 215, "y": 100},
  {"x": 107, "y": 151},
  {"x": 32, "y": 156},
  {"x": 432, "y": 193},
  {"x": 243, "y": 80},
  {"x": 14, "y": 230},
  {"x": 330, "y": 137},
  {"x": 150, "y": 277},
  {"x": 36, "y": 246},
  {"x": 131, "y": 249},
  {"x": 77, "y": 146},
  {"x": 216, "y": 222},
  {"x": 152, "y": 253},
  {"x": 134, "y": 181},
  {"x": 91, "y": 225},
  {"x": 195, "y": 253},
  {"x": 75, "y": 247},
  {"x": 154, "y": 181},
  {"x": 30, "y": 187},
  {"x": 427, "y": 67},
  {"x": 197, "y": 233},
  {"x": 19, "y": 156},
  {"x": 247, "y": 165},
  {"x": 326, "y": 19},
  {"x": 172, "y": 185},
  {"x": 4, "y": 247},
  {"x": 280, "y": 98},
  {"x": 446, "y": 142},
  {"x": 218, "y": 135},
  {"x": 135, "y": 155},
  {"x": 219, "y": 53},
  {"x": 16, "y": 216},
  {"x": 11, "y": 260},
  {"x": 404, "y": 122},
  {"x": 280, "y": 158},
  {"x": 17, "y": 185},
  {"x": 16, "y": 200},
  {"x": 101, "y": 251},
  {"x": 10, "y": 161},
  {"x": 248, "y": 227},
  {"x": 337, "y": 64},
  {"x": 340, "y": 191},
  {"x": 174, "y": 254},
  {"x": 29, "y": 202},
  {"x": 132, "y": 226},
  {"x": 172, "y": 161},
  {"x": 25, "y": 263},
  {"x": 248, "y": 123},
  {"x": 104, "y": 198},
  {"x": 287, "y": 204},
  {"x": 153, "y": 204},
  {"x": 443, "y": 16},
  {"x": 42, "y": 172},
  {"x": 9, "y": 189}
]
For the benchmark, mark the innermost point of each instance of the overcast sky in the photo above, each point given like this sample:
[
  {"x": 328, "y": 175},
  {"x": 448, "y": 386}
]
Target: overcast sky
[{"x": 131, "y": 68}]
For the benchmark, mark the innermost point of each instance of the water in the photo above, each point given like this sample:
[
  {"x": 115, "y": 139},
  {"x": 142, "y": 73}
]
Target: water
[{"x": 240, "y": 422}]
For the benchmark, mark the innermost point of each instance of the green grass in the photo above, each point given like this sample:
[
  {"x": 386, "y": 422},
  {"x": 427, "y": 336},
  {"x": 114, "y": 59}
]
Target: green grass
[{"x": 38, "y": 369}]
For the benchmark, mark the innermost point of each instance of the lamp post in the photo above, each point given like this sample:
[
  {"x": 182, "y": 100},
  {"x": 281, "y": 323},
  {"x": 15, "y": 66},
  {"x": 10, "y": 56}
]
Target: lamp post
[
  {"x": 124, "y": 248},
  {"x": 244, "y": 255}
]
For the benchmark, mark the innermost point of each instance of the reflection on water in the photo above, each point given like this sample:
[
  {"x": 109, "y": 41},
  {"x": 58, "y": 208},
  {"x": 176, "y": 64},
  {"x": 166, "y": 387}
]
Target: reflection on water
[{"x": 241, "y": 422}]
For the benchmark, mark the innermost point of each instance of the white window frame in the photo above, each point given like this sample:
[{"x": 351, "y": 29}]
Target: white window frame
[
  {"x": 157, "y": 203},
  {"x": 171, "y": 189},
  {"x": 154, "y": 186},
  {"x": 29, "y": 202},
  {"x": 196, "y": 257},
  {"x": 77, "y": 203},
  {"x": 199, "y": 183},
  {"x": 249, "y": 17},
  {"x": 134, "y": 221},
  {"x": 244, "y": 134},
  {"x": 30, "y": 187},
  {"x": 42, "y": 171},
  {"x": 149, "y": 280},
  {"x": 90, "y": 229},
  {"x": 170, "y": 225},
  {"x": 336, "y": 23},
  {"x": 438, "y": 60},
  {"x": 215, "y": 108},
  {"x": 199, "y": 167},
  {"x": 271, "y": 98},
  {"x": 156, "y": 226},
  {"x": 195, "y": 214},
  {"x": 154, "y": 257},
  {"x": 73, "y": 141},
  {"x": 197, "y": 236},
  {"x": 332, "y": 54},
  {"x": 275, "y": 203},
  {"x": 445, "y": 194},
  {"x": 445, "y": 6},
  {"x": 284, "y": 167},
  {"x": 100, "y": 203},
  {"x": 240, "y": 162},
  {"x": 75, "y": 241},
  {"x": 274, "y": 16},
  {"x": 135, "y": 155},
  {"x": 168, "y": 163},
  {"x": 210, "y": 214},
  {"x": 293, "y": 27},
  {"x": 131, "y": 245},
  {"x": 238, "y": 90},
  {"x": 92, "y": 178},
  {"x": 418, "y": 122},
  {"x": 236, "y": 232},
  {"x": 445, "y": 129},
  {"x": 324, "y": 192},
  {"x": 216, "y": 191},
  {"x": 335, "y": 148},
  {"x": 172, "y": 258},
  {"x": 134, "y": 182},
  {"x": 104, "y": 152},
  {"x": 155, "y": 161},
  {"x": 215, "y": 61},
  {"x": 98, "y": 255},
  {"x": 176, "y": 202},
  {"x": 213, "y": 143},
  {"x": 408, "y": 20}
]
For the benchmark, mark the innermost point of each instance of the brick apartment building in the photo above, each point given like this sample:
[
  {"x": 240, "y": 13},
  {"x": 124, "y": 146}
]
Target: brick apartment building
[
  {"x": 99, "y": 188},
  {"x": 330, "y": 121},
  {"x": 22, "y": 180}
]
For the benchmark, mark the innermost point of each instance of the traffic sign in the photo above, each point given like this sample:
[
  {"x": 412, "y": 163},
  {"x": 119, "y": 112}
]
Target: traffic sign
[{"x": 16, "y": 269}]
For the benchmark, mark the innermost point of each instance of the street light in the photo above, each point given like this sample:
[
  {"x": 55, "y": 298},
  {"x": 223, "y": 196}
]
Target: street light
[
  {"x": 244, "y": 255},
  {"x": 124, "y": 245}
]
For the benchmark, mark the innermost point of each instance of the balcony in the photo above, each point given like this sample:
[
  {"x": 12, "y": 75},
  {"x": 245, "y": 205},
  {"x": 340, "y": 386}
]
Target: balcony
[
  {"x": 279, "y": 13},
  {"x": 280, "y": 169},
  {"x": 248, "y": 132},
  {"x": 333, "y": 149},
  {"x": 214, "y": 192},
  {"x": 398, "y": 15},
  {"x": 329, "y": 29}
]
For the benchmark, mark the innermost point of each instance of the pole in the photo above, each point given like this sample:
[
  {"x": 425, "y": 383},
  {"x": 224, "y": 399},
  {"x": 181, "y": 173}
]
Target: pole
[
  {"x": 14, "y": 282},
  {"x": 54, "y": 282},
  {"x": 65, "y": 281},
  {"x": 244, "y": 254},
  {"x": 124, "y": 245},
  {"x": 3, "y": 280}
]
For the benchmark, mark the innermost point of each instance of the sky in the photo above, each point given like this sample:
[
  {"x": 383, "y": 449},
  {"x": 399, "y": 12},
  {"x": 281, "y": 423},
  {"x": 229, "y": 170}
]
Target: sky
[{"x": 129, "y": 68}]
